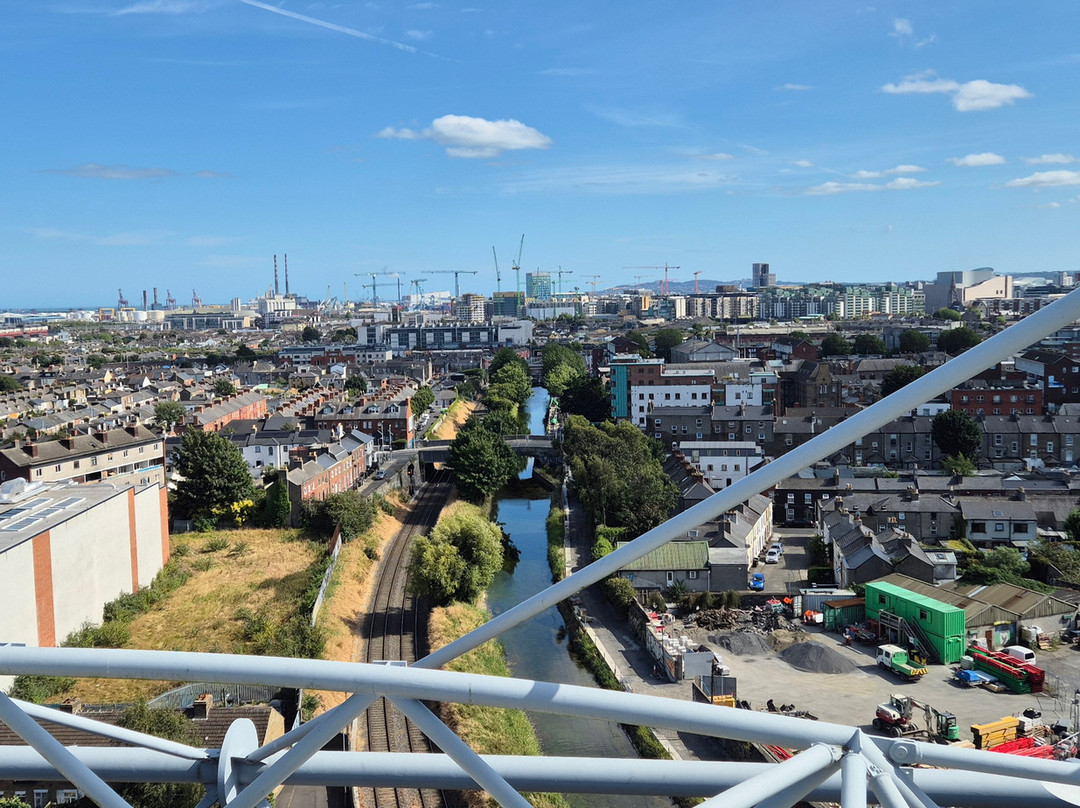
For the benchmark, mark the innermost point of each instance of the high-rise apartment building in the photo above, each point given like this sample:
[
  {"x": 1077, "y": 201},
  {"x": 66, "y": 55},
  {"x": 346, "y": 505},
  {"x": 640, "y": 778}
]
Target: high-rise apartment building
[
  {"x": 762, "y": 277},
  {"x": 538, "y": 285}
]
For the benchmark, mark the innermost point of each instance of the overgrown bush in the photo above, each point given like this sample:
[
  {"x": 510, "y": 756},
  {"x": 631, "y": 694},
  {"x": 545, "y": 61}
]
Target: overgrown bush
[
  {"x": 556, "y": 531},
  {"x": 216, "y": 544},
  {"x": 601, "y": 548},
  {"x": 655, "y": 602},
  {"x": 459, "y": 559},
  {"x": 354, "y": 512},
  {"x": 620, "y": 593}
]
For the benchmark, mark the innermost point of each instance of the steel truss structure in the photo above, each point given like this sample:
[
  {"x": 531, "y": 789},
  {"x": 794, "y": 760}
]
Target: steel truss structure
[{"x": 836, "y": 763}]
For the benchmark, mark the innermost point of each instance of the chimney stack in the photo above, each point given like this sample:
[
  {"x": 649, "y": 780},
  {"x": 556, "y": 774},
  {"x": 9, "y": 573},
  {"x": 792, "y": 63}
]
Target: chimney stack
[{"x": 202, "y": 707}]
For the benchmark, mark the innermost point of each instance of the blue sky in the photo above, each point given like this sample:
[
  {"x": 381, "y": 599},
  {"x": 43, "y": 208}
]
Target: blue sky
[{"x": 182, "y": 143}]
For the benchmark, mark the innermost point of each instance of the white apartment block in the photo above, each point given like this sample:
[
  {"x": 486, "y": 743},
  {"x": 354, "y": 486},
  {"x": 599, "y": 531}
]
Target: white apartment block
[
  {"x": 723, "y": 462},
  {"x": 646, "y": 396}
]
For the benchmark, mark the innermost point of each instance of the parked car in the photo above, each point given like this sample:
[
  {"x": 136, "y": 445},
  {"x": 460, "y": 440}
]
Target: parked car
[
  {"x": 757, "y": 582},
  {"x": 773, "y": 556},
  {"x": 381, "y": 475},
  {"x": 778, "y": 546}
]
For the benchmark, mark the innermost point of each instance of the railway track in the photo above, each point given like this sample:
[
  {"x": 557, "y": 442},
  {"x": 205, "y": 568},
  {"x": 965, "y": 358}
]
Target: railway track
[{"x": 393, "y": 630}]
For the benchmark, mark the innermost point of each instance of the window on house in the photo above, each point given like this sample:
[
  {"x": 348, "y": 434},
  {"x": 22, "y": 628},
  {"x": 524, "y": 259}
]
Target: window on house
[
  {"x": 978, "y": 527},
  {"x": 692, "y": 575},
  {"x": 671, "y": 577},
  {"x": 1034, "y": 440},
  {"x": 881, "y": 598},
  {"x": 1020, "y": 528}
]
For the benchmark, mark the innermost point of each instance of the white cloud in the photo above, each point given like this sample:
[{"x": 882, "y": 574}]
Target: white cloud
[
  {"x": 901, "y": 28},
  {"x": 423, "y": 6},
  {"x": 715, "y": 156},
  {"x": 618, "y": 179},
  {"x": 907, "y": 183},
  {"x": 1046, "y": 179},
  {"x": 898, "y": 184},
  {"x": 981, "y": 159},
  {"x": 904, "y": 169},
  {"x": 970, "y": 96},
  {"x": 1050, "y": 158},
  {"x": 796, "y": 88},
  {"x": 833, "y": 187},
  {"x": 102, "y": 172},
  {"x": 632, "y": 118},
  {"x": 164, "y": 7},
  {"x": 419, "y": 36},
  {"x": 863, "y": 174},
  {"x": 804, "y": 164},
  {"x": 213, "y": 175},
  {"x": 465, "y": 136},
  {"x": 1049, "y": 206}
]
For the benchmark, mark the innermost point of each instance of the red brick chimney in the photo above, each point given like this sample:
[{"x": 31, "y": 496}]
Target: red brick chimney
[{"x": 202, "y": 707}]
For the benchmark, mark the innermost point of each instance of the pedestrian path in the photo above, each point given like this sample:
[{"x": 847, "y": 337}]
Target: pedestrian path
[{"x": 613, "y": 636}]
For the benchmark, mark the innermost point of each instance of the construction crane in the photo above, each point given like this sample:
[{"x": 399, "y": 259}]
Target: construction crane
[
  {"x": 196, "y": 301},
  {"x": 592, "y": 283},
  {"x": 397, "y": 277},
  {"x": 122, "y": 302},
  {"x": 455, "y": 273},
  {"x": 498, "y": 277},
  {"x": 560, "y": 272},
  {"x": 373, "y": 286},
  {"x": 517, "y": 271},
  {"x": 170, "y": 301},
  {"x": 417, "y": 284},
  {"x": 695, "y": 281},
  {"x": 664, "y": 287}
]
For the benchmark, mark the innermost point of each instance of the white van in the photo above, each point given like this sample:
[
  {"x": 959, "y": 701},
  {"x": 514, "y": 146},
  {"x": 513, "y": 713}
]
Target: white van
[{"x": 1021, "y": 653}]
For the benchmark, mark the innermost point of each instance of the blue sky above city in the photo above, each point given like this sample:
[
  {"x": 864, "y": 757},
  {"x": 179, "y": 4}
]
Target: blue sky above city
[{"x": 182, "y": 143}]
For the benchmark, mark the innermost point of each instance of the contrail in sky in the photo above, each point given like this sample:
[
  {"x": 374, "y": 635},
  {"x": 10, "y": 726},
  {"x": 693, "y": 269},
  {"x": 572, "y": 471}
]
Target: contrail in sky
[{"x": 339, "y": 28}]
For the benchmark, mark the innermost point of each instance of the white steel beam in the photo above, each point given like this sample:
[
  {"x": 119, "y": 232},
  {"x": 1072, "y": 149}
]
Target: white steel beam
[
  {"x": 1011, "y": 340},
  {"x": 51, "y": 749},
  {"x": 817, "y": 759},
  {"x": 460, "y": 752}
]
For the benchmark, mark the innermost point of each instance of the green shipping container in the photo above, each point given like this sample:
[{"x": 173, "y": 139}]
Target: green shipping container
[
  {"x": 948, "y": 649},
  {"x": 839, "y": 614},
  {"x": 931, "y": 616}
]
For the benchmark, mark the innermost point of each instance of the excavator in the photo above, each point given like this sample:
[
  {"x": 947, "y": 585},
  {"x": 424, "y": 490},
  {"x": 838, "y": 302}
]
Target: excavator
[{"x": 896, "y": 719}]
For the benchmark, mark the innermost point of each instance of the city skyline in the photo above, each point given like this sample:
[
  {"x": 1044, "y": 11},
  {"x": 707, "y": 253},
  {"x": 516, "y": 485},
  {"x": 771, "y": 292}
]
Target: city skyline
[{"x": 182, "y": 143}]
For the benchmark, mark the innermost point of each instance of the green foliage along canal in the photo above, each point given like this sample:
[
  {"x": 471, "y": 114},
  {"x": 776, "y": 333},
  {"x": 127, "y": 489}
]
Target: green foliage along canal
[{"x": 538, "y": 648}]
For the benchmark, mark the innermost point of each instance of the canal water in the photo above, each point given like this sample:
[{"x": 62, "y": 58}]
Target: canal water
[{"x": 538, "y": 649}]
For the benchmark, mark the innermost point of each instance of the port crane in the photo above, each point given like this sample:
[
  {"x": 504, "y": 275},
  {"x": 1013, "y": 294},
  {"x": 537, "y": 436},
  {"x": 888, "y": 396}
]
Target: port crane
[
  {"x": 170, "y": 301},
  {"x": 122, "y": 302},
  {"x": 417, "y": 285},
  {"x": 196, "y": 301},
  {"x": 455, "y": 273},
  {"x": 665, "y": 285}
]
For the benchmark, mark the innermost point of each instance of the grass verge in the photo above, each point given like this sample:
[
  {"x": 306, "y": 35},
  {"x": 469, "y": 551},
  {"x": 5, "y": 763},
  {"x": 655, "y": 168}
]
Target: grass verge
[
  {"x": 488, "y": 730},
  {"x": 556, "y": 537}
]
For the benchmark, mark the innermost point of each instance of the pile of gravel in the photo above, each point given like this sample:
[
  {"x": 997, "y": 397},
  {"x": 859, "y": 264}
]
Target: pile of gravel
[
  {"x": 743, "y": 643},
  {"x": 816, "y": 658}
]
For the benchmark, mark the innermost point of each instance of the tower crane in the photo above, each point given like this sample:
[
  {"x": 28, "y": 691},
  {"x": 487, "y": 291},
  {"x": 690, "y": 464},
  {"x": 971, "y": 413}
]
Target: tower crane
[
  {"x": 196, "y": 301},
  {"x": 592, "y": 283},
  {"x": 417, "y": 284},
  {"x": 695, "y": 281},
  {"x": 560, "y": 271},
  {"x": 498, "y": 277},
  {"x": 373, "y": 286},
  {"x": 517, "y": 270},
  {"x": 122, "y": 302},
  {"x": 664, "y": 288},
  {"x": 455, "y": 273}
]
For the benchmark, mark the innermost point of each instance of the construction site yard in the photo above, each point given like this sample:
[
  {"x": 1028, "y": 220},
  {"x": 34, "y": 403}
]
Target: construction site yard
[{"x": 852, "y": 697}]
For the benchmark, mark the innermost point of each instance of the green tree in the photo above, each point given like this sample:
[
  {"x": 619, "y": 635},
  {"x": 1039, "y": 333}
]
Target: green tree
[
  {"x": 310, "y": 334},
  {"x": 641, "y": 341},
  {"x": 213, "y": 472},
  {"x": 9, "y": 384},
  {"x": 561, "y": 367},
  {"x": 960, "y": 465},
  {"x": 347, "y": 334},
  {"x": 957, "y": 340},
  {"x": 168, "y": 414},
  {"x": 1072, "y": 524},
  {"x": 171, "y": 725},
  {"x": 510, "y": 387},
  {"x": 506, "y": 356},
  {"x": 867, "y": 344},
  {"x": 834, "y": 345},
  {"x": 947, "y": 314},
  {"x": 957, "y": 433},
  {"x": 278, "y": 505},
  {"x": 458, "y": 561},
  {"x": 588, "y": 396},
  {"x": 224, "y": 387},
  {"x": 481, "y": 463},
  {"x": 244, "y": 352},
  {"x": 356, "y": 384},
  {"x": 900, "y": 376},
  {"x": 799, "y": 334},
  {"x": 351, "y": 510},
  {"x": 423, "y": 398},
  {"x": 665, "y": 339},
  {"x": 13, "y": 802},
  {"x": 912, "y": 341},
  {"x": 620, "y": 593}
]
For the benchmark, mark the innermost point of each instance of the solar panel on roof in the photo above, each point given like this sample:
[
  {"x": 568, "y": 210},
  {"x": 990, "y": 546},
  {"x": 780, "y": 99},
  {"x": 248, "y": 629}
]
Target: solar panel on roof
[{"x": 22, "y": 524}]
